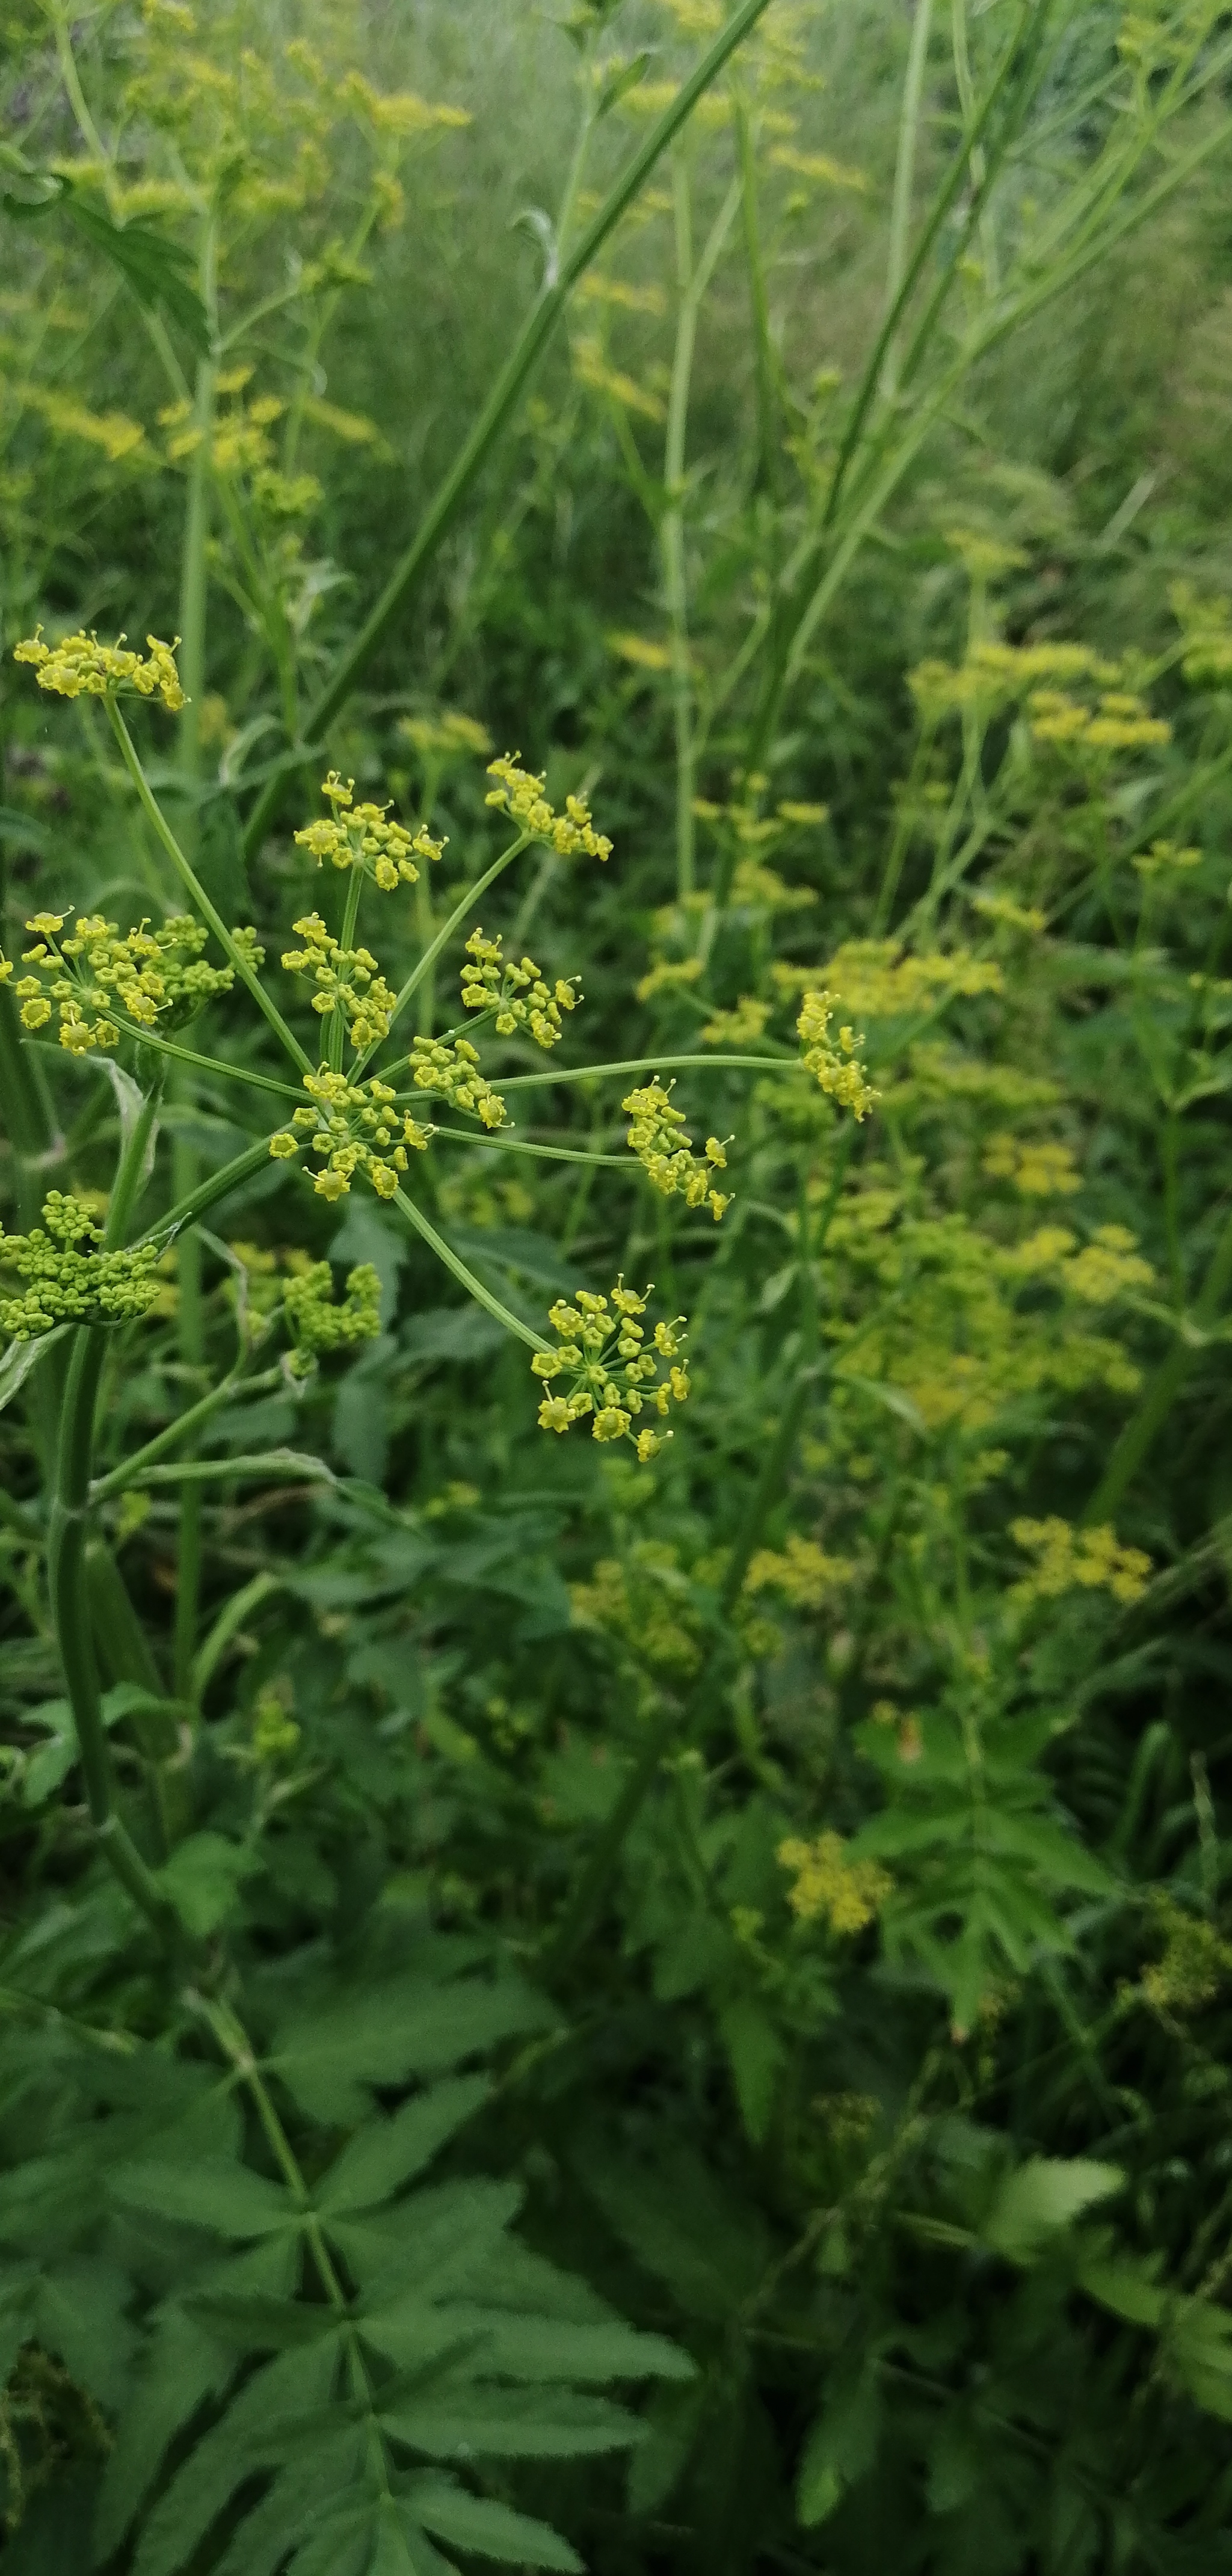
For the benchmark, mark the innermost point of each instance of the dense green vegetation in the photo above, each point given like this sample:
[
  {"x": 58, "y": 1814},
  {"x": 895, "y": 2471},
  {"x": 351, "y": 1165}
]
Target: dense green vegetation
[{"x": 613, "y": 2001}]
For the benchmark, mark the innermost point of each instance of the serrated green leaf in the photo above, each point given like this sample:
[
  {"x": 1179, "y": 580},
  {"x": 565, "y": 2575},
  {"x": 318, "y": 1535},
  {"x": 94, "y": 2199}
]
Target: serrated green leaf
[
  {"x": 182, "y": 2368},
  {"x": 841, "y": 2447},
  {"x": 254, "y": 2433},
  {"x": 1126, "y": 2286},
  {"x": 1060, "y": 1857},
  {"x": 326, "y": 2058},
  {"x": 1041, "y": 2198},
  {"x": 225, "y": 2198},
  {"x": 203, "y": 1879},
  {"x": 387, "y": 2153},
  {"x": 329, "y": 2481},
  {"x": 465, "y": 2423},
  {"x": 682, "y": 2228},
  {"x": 255, "y": 2321},
  {"x": 448, "y": 2236},
  {"x": 545, "y": 2349},
  {"x": 491, "y": 2530},
  {"x": 79, "y": 2312}
]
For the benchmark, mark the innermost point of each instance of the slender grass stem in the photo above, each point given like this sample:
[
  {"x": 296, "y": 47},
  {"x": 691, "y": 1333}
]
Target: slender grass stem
[
  {"x": 904, "y": 173},
  {"x": 651, "y": 1064},
  {"x": 546, "y": 1153},
  {"x": 185, "y": 1427}
]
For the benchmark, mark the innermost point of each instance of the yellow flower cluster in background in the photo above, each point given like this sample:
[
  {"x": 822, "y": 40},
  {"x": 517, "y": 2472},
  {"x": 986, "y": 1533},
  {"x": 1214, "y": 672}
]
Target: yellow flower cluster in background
[
  {"x": 1039, "y": 1171},
  {"x": 800, "y": 1571},
  {"x": 82, "y": 667},
  {"x": 69, "y": 1278},
  {"x": 848, "y": 1893},
  {"x": 836, "y": 1069},
  {"x": 602, "y": 1351},
  {"x": 1067, "y": 1559}
]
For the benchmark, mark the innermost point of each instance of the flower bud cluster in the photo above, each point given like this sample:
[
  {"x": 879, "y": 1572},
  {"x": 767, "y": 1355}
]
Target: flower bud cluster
[
  {"x": 520, "y": 795},
  {"x": 838, "y": 1069},
  {"x": 146, "y": 977},
  {"x": 347, "y": 980},
  {"x": 664, "y": 1149},
  {"x": 69, "y": 1279},
  {"x": 517, "y": 993},
  {"x": 360, "y": 836},
  {"x": 351, "y": 1127},
  {"x": 82, "y": 667},
  {"x": 614, "y": 1376},
  {"x": 316, "y": 1324},
  {"x": 451, "y": 1070}
]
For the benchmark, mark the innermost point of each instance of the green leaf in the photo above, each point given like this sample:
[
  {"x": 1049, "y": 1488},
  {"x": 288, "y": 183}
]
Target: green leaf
[
  {"x": 21, "y": 1357},
  {"x": 1041, "y": 2198},
  {"x": 257, "y": 2320},
  {"x": 491, "y": 2530},
  {"x": 682, "y": 2227},
  {"x": 293, "y": 2507},
  {"x": 755, "y": 2053},
  {"x": 387, "y": 2153},
  {"x": 78, "y": 2311},
  {"x": 392, "y": 2032},
  {"x": 619, "y": 83},
  {"x": 203, "y": 1878},
  {"x": 223, "y": 2197},
  {"x": 441, "y": 2244},
  {"x": 841, "y": 2447},
  {"x": 466, "y": 2422},
  {"x": 545, "y": 2349},
  {"x": 182, "y": 2368},
  {"x": 252, "y": 2434},
  {"x": 156, "y": 269}
]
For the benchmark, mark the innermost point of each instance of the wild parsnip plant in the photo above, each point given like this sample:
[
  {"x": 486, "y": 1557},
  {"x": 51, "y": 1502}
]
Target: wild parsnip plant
[{"x": 615, "y": 1517}]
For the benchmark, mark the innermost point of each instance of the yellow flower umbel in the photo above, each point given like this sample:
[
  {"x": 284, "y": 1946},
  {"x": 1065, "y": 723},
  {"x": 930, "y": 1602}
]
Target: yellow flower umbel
[
  {"x": 451, "y": 1070},
  {"x": 69, "y": 1279},
  {"x": 146, "y": 977},
  {"x": 516, "y": 993},
  {"x": 520, "y": 795},
  {"x": 347, "y": 980},
  {"x": 1067, "y": 1559},
  {"x": 351, "y": 1127},
  {"x": 361, "y": 836},
  {"x": 613, "y": 1376},
  {"x": 664, "y": 1149},
  {"x": 848, "y": 1892},
  {"x": 82, "y": 667},
  {"x": 838, "y": 1069}
]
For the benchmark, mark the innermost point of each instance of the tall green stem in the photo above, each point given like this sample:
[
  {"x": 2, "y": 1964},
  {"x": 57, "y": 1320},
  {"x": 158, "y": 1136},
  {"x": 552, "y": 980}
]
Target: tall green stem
[
  {"x": 67, "y": 1577},
  {"x": 904, "y": 173}
]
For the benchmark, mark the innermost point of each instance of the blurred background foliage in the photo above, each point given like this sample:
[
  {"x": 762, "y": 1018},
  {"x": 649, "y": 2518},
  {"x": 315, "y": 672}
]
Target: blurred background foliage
[{"x": 851, "y": 1783}]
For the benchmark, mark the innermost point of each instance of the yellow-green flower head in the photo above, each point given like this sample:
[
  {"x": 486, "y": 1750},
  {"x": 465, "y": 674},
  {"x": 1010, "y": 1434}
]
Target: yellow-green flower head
[
  {"x": 450, "y": 1069},
  {"x": 610, "y": 1373},
  {"x": 517, "y": 994},
  {"x": 316, "y": 1324},
  {"x": 361, "y": 836},
  {"x": 447, "y": 736},
  {"x": 1067, "y": 1559},
  {"x": 520, "y": 794},
  {"x": 664, "y": 1149},
  {"x": 838, "y": 1069},
  {"x": 82, "y": 667},
  {"x": 350, "y": 1127},
  {"x": 825, "y": 1882},
  {"x": 95, "y": 983},
  {"x": 347, "y": 980},
  {"x": 69, "y": 1279}
]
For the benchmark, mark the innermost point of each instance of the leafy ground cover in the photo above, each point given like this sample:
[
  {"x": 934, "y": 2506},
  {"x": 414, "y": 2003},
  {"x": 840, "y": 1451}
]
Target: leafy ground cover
[{"x": 617, "y": 737}]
